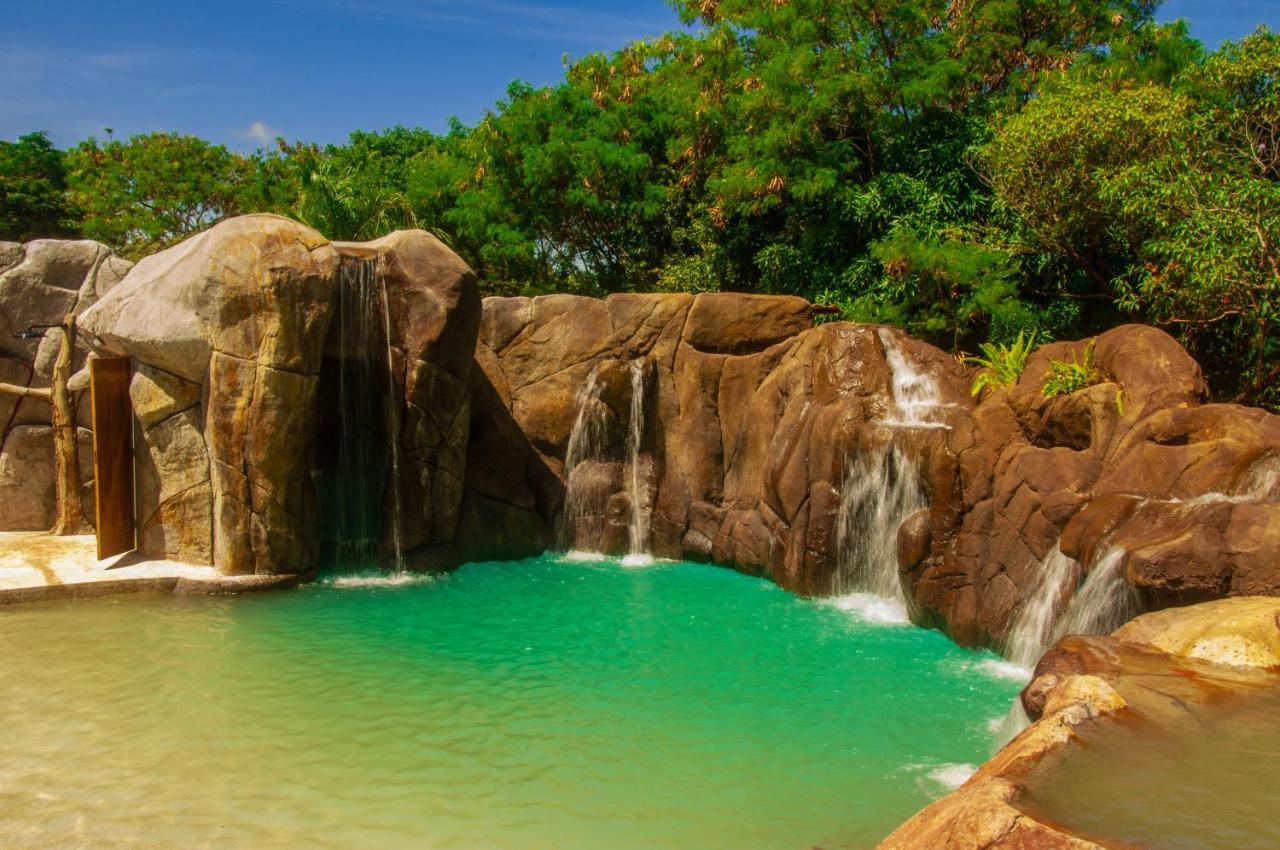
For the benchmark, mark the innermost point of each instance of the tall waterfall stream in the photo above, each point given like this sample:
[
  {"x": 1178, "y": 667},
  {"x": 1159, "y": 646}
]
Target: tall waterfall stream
[
  {"x": 586, "y": 496},
  {"x": 358, "y": 479}
]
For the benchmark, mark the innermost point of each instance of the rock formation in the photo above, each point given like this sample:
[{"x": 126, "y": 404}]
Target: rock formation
[
  {"x": 756, "y": 430},
  {"x": 40, "y": 282},
  {"x": 228, "y": 332},
  {"x": 756, "y": 416},
  {"x": 1158, "y": 672}
]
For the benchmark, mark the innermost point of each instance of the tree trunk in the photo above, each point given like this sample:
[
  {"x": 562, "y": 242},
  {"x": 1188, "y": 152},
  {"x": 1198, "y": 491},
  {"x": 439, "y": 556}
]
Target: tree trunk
[{"x": 66, "y": 447}]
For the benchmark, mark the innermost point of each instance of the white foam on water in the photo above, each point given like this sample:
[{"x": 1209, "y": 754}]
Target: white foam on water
[
  {"x": 873, "y": 609},
  {"x": 581, "y": 556},
  {"x": 639, "y": 559},
  {"x": 998, "y": 668},
  {"x": 393, "y": 580},
  {"x": 952, "y": 776}
]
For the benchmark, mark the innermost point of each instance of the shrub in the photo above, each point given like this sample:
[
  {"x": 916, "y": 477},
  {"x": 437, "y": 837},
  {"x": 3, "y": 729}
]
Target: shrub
[{"x": 1002, "y": 365}]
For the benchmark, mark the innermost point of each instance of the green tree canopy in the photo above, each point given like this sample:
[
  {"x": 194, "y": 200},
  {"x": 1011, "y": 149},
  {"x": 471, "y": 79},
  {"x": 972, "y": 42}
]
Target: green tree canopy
[{"x": 33, "y": 190}]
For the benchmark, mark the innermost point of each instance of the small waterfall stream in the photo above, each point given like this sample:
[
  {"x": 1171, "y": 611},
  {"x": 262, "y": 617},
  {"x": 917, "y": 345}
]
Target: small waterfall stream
[
  {"x": 881, "y": 489},
  {"x": 393, "y": 428},
  {"x": 1032, "y": 630},
  {"x": 586, "y": 441},
  {"x": 916, "y": 395},
  {"x": 1059, "y": 604},
  {"x": 586, "y": 494},
  {"x": 1104, "y": 603},
  {"x": 638, "y": 528}
]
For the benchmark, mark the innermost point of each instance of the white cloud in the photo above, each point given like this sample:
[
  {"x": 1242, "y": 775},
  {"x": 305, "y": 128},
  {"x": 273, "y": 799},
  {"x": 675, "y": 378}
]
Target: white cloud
[{"x": 258, "y": 132}]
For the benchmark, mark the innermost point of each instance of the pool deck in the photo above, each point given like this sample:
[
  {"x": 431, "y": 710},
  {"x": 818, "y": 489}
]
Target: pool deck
[{"x": 37, "y": 567}]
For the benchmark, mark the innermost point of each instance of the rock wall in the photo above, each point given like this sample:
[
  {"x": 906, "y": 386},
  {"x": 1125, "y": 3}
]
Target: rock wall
[
  {"x": 755, "y": 415},
  {"x": 40, "y": 283},
  {"x": 1186, "y": 489}
]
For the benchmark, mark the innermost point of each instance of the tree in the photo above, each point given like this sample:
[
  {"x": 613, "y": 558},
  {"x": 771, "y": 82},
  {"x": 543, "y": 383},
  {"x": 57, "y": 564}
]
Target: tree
[
  {"x": 157, "y": 189},
  {"x": 335, "y": 200},
  {"x": 33, "y": 190},
  {"x": 1050, "y": 161},
  {"x": 1210, "y": 204}
]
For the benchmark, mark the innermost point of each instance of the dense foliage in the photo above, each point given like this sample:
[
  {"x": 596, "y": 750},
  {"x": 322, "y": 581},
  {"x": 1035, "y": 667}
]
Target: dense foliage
[{"x": 971, "y": 170}]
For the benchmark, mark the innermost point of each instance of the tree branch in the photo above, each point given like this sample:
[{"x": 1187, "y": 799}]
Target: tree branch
[{"x": 45, "y": 394}]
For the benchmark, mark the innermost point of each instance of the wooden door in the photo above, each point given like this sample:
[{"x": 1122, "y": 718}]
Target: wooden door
[{"x": 112, "y": 453}]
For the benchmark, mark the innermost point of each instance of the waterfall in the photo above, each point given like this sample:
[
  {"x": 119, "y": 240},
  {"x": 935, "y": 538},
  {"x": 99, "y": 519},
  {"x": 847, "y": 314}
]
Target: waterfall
[
  {"x": 353, "y": 470},
  {"x": 916, "y": 396},
  {"x": 1031, "y": 632},
  {"x": 1263, "y": 479},
  {"x": 588, "y": 486},
  {"x": 638, "y": 528},
  {"x": 1101, "y": 604},
  {"x": 1104, "y": 603},
  {"x": 881, "y": 489},
  {"x": 586, "y": 441},
  {"x": 393, "y": 428},
  {"x": 1012, "y": 724}
]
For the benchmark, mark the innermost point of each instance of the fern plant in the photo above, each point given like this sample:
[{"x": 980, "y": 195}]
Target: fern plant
[
  {"x": 1065, "y": 378},
  {"x": 1002, "y": 365}
]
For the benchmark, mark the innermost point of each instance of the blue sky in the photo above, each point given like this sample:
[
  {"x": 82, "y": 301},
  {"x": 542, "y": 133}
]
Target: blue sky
[{"x": 241, "y": 71}]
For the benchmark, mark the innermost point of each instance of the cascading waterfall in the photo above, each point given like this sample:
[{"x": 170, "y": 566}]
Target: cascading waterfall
[
  {"x": 638, "y": 529},
  {"x": 1104, "y": 603},
  {"x": 916, "y": 395},
  {"x": 1060, "y": 605},
  {"x": 586, "y": 441},
  {"x": 1033, "y": 629},
  {"x": 586, "y": 493},
  {"x": 881, "y": 489},
  {"x": 353, "y": 481},
  {"x": 1263, "y": 480}
]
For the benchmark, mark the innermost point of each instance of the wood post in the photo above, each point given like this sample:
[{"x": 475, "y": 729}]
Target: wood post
[{"x": 66, "y": 446}]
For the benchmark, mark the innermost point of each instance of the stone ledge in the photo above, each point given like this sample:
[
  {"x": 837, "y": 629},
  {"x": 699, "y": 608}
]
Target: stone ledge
[{"x": 38, "y": 567}]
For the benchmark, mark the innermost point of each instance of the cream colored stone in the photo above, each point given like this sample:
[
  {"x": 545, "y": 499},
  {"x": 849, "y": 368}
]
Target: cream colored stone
[{"x": 1242, "y": 631}]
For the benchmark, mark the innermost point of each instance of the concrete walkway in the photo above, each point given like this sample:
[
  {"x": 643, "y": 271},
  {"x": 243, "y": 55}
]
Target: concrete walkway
[{"x": 36, "y": 566}]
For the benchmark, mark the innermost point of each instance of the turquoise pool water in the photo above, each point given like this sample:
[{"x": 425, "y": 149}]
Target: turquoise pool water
[{"x": 539, "y": 704}]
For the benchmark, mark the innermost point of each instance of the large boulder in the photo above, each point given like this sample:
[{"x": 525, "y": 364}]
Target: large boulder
[
  {"x": 1241, "y": 632},
  {"x": 229, "y": 332}
]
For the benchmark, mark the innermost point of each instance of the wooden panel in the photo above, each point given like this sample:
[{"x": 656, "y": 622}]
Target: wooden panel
[{"x": 112, "y": 453}]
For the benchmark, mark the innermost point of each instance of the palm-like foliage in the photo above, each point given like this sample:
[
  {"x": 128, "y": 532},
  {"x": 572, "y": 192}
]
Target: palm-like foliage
[
  {"x": 1002, "y": 365},
  {"x": 336, "y": 202},
  {"x": 1064, "y": 378}
]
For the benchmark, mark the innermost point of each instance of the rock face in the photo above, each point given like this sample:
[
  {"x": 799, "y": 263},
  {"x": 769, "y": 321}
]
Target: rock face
[
  {"x": 1185, "y": 490},
  {"x": 40, "y": 283},
  {"x": 751, "y": 416},
  {"x": 753, "y": 419},
  {"x": 1242, "y": 632},
  {"x": 228, "y": 332}
]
